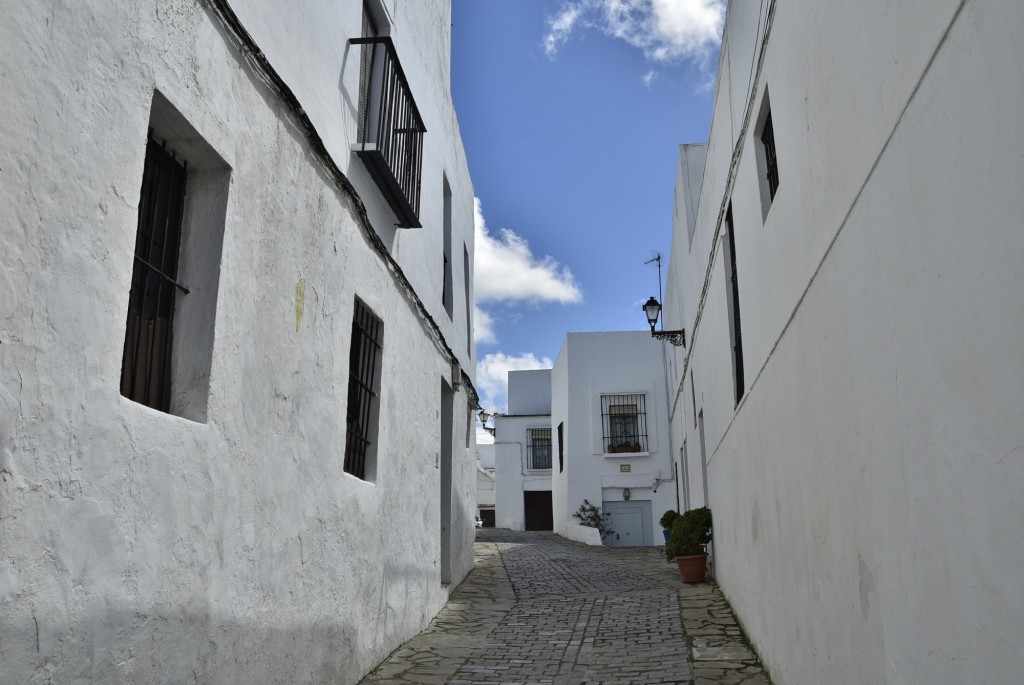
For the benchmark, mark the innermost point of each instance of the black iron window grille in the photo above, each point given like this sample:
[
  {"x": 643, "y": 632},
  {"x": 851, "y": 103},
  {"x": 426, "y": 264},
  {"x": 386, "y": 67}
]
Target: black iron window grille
[
  {"x": 624, "y": 419},
  {"x": 363, "y": 390},
  {"x": 390, "y": 128},
  {"x": 146, "y": 359},
  {"x": 771, "y": 161},
  {"x": 538, "y": 448}
]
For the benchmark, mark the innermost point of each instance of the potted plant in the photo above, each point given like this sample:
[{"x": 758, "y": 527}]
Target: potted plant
[
  {"x": 690, "y": 533},
  {"x": 666, "y": 521}
]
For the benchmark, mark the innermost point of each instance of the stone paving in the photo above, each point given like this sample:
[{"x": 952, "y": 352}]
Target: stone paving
[{"x": 540, "y": 609}]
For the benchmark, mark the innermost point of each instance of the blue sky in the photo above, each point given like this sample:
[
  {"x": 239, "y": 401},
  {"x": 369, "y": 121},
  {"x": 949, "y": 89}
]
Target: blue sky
[{"x": 572, "y": 113}]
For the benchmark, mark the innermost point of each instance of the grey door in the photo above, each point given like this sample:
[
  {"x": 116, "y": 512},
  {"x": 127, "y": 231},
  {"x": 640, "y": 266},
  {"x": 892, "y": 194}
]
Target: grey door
[{"x": 631, "y": 522}]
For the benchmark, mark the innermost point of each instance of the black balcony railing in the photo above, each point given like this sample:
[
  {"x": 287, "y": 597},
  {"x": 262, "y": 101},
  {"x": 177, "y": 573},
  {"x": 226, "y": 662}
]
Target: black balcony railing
[{"x": 390, "y": 129}]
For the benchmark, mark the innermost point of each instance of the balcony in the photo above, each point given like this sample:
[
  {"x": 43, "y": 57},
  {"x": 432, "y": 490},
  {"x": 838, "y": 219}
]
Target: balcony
[{"x": 390, "y": 137}]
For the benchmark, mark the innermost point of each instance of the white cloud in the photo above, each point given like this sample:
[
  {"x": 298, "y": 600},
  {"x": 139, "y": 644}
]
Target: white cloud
[
  {"x": 507, "y": 271},
  {"x": 483, "y": 326},
  {"x": 492, "y": 376},
  {"x": 649, "y": 77},
  {"x": 560, "y": 28},
  {"x": 666, "y": 31}
]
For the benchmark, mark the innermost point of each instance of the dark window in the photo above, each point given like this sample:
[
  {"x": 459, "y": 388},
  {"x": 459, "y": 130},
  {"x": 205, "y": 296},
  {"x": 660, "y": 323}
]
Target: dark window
[
  {"x": 733, "y": 302},
  {"x": 146, "y": 360},
  {"x": 469, "y": 305},
  {"x": 447, "y": 294},
  {"x": 771, "y": 162},
  {"x": 363, "y": 390},
  {"x": 561, "y": 458},
  {"x": 538, "y": 448},
  {"x": 624, "y": 418},
  {"x": 365, "y": 68}
]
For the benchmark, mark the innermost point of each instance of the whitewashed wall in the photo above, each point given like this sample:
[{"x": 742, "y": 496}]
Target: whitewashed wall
[
  {"x": 589, "y": 365},
  {"x": 137, "y": 546},
  {"x": 866, "y": 490},
  {"x": 485, "y": 481},
  {"x": 529, "y": 402}
]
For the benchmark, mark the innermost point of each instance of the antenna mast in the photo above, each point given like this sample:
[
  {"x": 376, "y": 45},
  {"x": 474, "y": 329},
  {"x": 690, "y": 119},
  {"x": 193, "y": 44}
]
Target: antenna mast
[{"x": 652, "y": 260}]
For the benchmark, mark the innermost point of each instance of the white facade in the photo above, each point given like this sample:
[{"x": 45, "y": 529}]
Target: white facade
[
  {"x": 485, "y": 485},
  {"x": 866, "y": 484},
  {"x": 222, "y": 541},
  {"x": 519, "y": 464},
  {"x": 596, "y": 377}
]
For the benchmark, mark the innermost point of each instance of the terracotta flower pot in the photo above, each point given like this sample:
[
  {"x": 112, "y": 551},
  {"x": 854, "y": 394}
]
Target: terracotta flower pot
[{"x": 693, "y": 567}]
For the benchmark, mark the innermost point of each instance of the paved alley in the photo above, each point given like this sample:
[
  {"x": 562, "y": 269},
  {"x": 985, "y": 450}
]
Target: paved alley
[{"x": 541, "y": 609}]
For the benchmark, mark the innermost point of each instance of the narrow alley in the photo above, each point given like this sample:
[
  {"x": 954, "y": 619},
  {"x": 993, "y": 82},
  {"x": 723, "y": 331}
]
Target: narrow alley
[{"x": 538, "y": 608}]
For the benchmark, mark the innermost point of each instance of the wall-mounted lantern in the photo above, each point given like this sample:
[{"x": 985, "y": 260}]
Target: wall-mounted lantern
[{"x": 652, "y": 308}]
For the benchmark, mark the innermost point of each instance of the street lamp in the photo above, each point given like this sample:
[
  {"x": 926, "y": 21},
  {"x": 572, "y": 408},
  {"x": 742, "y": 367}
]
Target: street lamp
[
  {"x": 652, "y": 308},
  {"x": 484, "y": 417}
]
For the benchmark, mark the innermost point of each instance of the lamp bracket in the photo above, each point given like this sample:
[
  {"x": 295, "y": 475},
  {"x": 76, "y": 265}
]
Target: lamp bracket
[{"x": 677, "y": 338}]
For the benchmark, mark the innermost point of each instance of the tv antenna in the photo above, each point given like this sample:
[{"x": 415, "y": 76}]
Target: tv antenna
[{"x": 657, "y": 259}]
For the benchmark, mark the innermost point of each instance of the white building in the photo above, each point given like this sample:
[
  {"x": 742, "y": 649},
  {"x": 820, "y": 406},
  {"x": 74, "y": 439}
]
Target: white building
[
  {"x": 848, "y": 263},
  {"x": 485, "y": 484},
  {"x": 523, "y": 453},
  {"x": 280, "y": 486},
  {"x": 612, "y": 446}
]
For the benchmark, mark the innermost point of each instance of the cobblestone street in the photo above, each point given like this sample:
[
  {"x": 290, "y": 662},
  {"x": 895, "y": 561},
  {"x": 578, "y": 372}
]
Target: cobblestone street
[{"x": 541, "y": 609}]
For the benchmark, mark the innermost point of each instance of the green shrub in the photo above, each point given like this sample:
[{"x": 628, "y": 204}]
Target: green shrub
[
  {"x": 668, "y": 518},
  {"x": 591, "y": 516},
  {"x": 689, "y": 532}
]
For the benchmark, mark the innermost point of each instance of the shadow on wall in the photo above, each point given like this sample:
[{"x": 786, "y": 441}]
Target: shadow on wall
[{"x": 177, "y": 647}]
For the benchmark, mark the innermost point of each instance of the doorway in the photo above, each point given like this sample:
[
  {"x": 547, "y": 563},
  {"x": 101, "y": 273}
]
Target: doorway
[
  {"x": 537, "y": 511},
  {"x": 445, "y": 464}
]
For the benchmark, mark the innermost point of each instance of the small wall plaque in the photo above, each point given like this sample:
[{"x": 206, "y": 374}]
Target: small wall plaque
[{"x": 624, "y": 468}]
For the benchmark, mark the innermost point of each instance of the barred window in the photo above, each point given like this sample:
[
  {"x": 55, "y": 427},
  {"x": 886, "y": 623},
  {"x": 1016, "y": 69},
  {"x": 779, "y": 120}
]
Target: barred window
[
  {"x": 538, "y": 448},
  {"x": 624, "y": 421},
  {"x": 363, "y": 393},
  {"x": 146, "y": 360}
]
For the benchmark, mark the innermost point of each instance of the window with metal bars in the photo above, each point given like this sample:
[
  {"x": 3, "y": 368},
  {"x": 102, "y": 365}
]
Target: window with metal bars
[
  {"x": 363, "y": 393},
  {"x": 624, "y": 422},
  {"x": 538, "y": 448},
  {"x": 146, "y": 360}
]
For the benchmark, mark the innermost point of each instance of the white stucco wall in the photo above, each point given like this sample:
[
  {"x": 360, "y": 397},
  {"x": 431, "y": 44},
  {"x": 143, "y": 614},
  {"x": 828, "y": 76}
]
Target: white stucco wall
[
  {"x": 590, "y": 365},
  {"x": 512, "y": 475},
  {"x": 529, "y": 392},
  {"x": 137, "y": 546},
  {"x": 862, "y": 489},
  {"x": 485, "y": 480}
]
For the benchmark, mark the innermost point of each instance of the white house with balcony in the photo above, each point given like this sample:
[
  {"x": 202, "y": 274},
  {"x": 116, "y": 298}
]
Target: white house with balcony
[
  {"x": 523, "y": 453},
  {"x": 848, "y": 263},
  {"x": 609, "y": 419},
  {"x": 236, "y": 360}
]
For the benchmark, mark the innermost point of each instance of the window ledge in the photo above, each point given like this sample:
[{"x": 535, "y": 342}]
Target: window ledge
[{"x": 626, "y": 455}]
